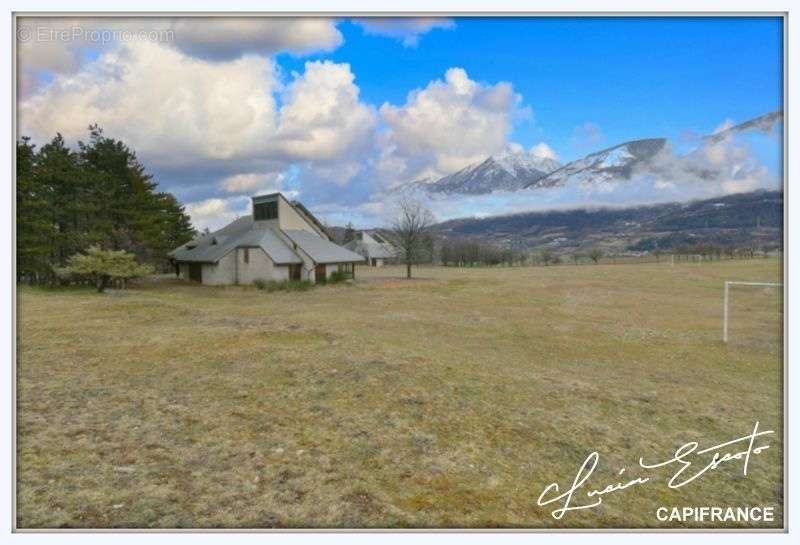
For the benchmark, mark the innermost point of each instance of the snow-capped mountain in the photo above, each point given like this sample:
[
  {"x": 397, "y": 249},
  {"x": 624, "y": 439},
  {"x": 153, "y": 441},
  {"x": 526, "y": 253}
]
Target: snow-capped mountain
[
  {"x": 516, "y": 171},
  {"x": 763, "y": 123},
  {"x": 603, "y": 166},
  {"x": 519, "y": 171},
  {"x": 504, "y": 172}
]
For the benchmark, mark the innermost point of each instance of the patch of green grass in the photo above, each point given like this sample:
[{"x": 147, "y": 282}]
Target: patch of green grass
[{"x": 448, "y": 400}]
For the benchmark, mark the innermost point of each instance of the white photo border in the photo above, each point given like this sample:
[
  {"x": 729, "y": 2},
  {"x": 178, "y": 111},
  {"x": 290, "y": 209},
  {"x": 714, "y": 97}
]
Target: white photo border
[{"x": 400, "y": 8}]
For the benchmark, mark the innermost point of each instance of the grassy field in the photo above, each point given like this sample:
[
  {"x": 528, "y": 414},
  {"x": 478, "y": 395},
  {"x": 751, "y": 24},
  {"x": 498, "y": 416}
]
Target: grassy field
[{"x": 450, "y": 400}]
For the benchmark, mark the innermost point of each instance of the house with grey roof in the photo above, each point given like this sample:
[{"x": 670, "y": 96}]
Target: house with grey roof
[
  {"x": 280, "y": 240},
  {"x": 373, "y": 246}
]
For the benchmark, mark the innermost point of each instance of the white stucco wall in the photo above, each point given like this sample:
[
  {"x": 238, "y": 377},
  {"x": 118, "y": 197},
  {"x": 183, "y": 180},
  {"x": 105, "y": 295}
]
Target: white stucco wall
[
  {"x": 288, "y": 218},
  {"x": 307, "y": 268},
  {"x": 260, "y": 266},
  {"x": 222, "y": 273}
]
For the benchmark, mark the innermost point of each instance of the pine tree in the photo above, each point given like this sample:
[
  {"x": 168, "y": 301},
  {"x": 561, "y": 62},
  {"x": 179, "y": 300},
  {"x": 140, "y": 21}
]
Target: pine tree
[
  {"x": 101, "y": 195},
  {"x": 35, "y": 231}
]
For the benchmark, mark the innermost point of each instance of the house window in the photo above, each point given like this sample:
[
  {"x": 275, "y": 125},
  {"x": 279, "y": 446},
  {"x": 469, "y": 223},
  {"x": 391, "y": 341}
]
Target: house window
[
  {"x": 347, "y": 269},
  {"x": 247, "y": 255},
  {"x": 265, "y": 210}
]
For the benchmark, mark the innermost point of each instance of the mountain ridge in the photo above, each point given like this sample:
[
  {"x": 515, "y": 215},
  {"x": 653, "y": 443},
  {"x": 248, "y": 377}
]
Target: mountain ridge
[
  {"x": 752, "y": 218},
  {"x": 526, "y": 171},
  {"x": 504, "y": 171}
]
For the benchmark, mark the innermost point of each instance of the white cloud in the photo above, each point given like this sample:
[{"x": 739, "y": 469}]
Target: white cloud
[
  {"x": 253, "y": 182},
  {"x": 216, "y": 213},
  {"x": 229, "y": 38},
  {"x": 60, "y": 45},
  {"x": 406, "y": 29},
  {"x": 543, "y": 151},
  {"x": 188, "y": 114},
  {"x": 322, "y": 117},
  {"x": 171, "y": 108},
  {"x": 447, "y": 125}
]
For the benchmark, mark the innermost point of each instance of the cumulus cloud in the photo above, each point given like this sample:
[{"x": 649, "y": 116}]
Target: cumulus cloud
[
  {"x": 216, "y": 213},
  {"x": 171, "y": 108},
  {"x": 230, "y": 37},
  {"x": 213, "y": 117},
  {"x": 322, "y": 117},
  {"x": 177, "y": 110},
  {"x": 405, "y": 29},
  {"x": 61, "y": 45},
  {"x": 446, "y": 126},
  {"x": 214, "y": 128},
  {"x": 543, "y": 151},
  {"x": 253, "y": 182}
]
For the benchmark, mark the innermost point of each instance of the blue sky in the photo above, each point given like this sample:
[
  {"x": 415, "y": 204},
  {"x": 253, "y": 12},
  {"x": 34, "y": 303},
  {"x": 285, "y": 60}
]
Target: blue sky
[
  {"x": 575, "y": 84},
  {"x": 634, "y": 77}
]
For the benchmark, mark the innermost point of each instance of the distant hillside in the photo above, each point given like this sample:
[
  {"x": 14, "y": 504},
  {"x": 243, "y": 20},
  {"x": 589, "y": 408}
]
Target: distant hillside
[{"x": 754, "y": 218}]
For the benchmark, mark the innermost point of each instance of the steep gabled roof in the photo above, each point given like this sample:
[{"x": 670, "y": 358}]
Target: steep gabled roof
[
  {"x": 369, "y": 249},
  {"x": 281, "y": 245},
  {"x": 269, "y": 241},
  {"x": 321, "y": 250},
  {"x": 240, "y": 233},
  {"x": 306, "y": 213}
]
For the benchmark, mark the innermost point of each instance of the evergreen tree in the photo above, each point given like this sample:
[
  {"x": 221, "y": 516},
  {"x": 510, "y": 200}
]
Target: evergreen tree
[
  {"x": 35, "y": 231},
  {"x": 101, "y": 195}
]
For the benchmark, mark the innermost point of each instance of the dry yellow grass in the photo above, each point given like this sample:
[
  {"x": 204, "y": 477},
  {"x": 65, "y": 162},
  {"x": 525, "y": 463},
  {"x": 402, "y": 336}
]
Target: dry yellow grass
[{"x": 450, "y": 400}]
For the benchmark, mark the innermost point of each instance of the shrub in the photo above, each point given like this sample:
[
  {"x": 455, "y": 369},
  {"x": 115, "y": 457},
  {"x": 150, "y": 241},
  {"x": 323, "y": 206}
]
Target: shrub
[
  {"x": 260, "y": 283},
  {"x": 103, "y": 266},
  {"x": 300, "y": 285},
  {"x": 338, "y": 277}
]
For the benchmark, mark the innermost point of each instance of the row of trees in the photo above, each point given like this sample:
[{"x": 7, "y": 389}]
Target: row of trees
[
  {"x": 469, "y": 253},
  {"x": 98, "y": 195},
  {"x": 712, "y": 251}
]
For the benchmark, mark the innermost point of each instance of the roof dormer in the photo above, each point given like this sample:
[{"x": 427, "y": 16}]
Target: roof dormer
[{"x": 265, "y": 207}]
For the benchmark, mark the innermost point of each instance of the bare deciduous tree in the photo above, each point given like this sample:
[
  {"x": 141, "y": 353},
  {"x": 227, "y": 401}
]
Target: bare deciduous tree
[
  {"x": 595, "y": 255},
  {"x": 411, "y": 232}
]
